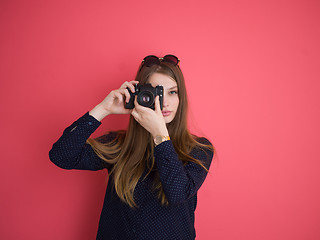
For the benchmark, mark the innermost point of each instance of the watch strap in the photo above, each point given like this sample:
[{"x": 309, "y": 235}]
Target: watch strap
[{"x": 159, "y": 139}]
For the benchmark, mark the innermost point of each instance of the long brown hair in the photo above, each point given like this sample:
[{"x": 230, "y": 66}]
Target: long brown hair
[{"x": 131, "y": 152}]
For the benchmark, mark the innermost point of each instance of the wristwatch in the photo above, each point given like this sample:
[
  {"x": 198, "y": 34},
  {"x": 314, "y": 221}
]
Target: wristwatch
[{"x": 159, "y": 139}]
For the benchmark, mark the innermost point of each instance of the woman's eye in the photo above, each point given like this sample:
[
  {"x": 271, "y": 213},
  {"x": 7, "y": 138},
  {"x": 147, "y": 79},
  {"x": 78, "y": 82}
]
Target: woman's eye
[{"x": 173, "y": 92}]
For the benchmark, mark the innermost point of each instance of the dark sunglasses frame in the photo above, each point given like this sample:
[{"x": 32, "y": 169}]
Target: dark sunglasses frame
[{"x": 152, "y": 60}]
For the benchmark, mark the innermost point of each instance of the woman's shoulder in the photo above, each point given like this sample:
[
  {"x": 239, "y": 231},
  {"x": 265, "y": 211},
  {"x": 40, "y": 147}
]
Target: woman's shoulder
[
  {"x": 203, "y": 144},
  {"x": 202, "y": 140}
]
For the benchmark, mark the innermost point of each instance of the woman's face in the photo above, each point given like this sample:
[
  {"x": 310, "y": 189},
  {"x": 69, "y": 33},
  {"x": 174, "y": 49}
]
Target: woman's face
[{"x": 170, "y": 94}]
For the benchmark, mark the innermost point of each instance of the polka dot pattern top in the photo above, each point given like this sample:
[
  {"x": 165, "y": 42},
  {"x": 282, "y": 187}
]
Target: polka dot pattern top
[{"x": 150, "y": 220}]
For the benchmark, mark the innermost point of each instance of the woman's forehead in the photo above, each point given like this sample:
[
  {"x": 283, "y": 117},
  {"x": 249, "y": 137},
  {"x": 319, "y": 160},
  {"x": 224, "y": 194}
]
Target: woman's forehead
[{"x": 162, "y": 79}]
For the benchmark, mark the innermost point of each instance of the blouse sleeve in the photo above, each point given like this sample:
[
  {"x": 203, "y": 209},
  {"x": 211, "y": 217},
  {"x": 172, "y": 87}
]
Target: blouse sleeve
[
  {"x": 181, "y": 182},
  {"x": 71, "y": 151}
]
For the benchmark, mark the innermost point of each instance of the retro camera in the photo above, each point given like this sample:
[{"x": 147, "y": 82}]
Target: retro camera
[{"x": 146, "y": 95}]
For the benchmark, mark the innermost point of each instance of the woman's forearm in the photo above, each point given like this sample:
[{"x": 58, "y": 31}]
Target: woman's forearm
[{"x": 98, "y": 112}]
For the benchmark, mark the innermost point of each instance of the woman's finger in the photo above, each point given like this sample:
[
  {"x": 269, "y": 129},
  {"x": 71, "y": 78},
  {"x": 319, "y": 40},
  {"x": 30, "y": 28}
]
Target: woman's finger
[
  {"x": 126, "y": 93},
  {"x": 132, "y": 85},
  {"x": 118, "y": 95},
  {"x": 124, "y": 85},
  {"x": 157, "y": 104},
  {"x": 129, "y": 85}
]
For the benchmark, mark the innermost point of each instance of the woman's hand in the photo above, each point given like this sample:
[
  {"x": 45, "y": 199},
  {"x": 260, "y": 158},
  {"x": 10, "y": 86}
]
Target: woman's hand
[
  {"x": 151, "y": 120},
  {"x": 114, "y": 102}
]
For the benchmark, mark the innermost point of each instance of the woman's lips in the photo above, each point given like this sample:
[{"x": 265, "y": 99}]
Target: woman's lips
[{"x": 166, "y": 113}]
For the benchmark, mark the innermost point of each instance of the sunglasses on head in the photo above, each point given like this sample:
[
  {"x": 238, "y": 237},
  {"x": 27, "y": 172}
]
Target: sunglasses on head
[{"x": 152, "y": 60}]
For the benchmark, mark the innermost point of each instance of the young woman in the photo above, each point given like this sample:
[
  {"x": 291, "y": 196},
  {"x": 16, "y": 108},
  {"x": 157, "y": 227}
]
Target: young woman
[{"x": 155, "y": 167}]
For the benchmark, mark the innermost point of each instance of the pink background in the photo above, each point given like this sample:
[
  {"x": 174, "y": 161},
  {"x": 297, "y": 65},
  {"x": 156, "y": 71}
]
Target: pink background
[{"x": 252, "y": 75}]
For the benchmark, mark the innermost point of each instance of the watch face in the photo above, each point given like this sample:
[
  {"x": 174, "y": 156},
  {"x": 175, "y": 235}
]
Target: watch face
[{"x": 158, "y": 139}]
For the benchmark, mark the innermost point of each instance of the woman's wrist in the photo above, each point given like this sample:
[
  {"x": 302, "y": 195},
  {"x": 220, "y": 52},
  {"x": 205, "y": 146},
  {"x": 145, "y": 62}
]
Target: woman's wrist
[
  {"x": 98, "y": 112},
  {"x": 160, "y": 132}
]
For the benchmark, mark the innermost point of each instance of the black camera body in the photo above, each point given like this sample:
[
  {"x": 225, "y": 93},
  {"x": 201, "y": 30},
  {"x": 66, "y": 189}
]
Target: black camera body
[{"x": 146, "y": 95}]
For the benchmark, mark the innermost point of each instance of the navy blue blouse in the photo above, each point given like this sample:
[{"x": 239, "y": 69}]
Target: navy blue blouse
[{"x": 150, "y": 220}]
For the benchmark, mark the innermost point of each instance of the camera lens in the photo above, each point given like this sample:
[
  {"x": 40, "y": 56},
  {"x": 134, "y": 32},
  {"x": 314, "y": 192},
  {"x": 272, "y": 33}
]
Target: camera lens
[{"x": 145, "y": 98}]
